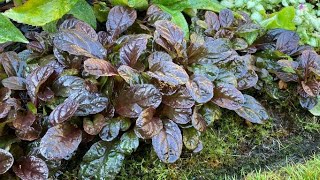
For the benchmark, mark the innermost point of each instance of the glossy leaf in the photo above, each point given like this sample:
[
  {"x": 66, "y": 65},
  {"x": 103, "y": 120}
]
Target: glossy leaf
[
  {"x": 178, "y": 115},
  {"x": 249, "y": 80},
  {"x": 209, "y": 71},
  {"x": 132, "y": 101},
  {"x": 14, "y": 83},
  {"x": 191, "y": 138},
  {"x": 31, "y": 167},
  {"x": 227, "y": 96},
  {"x": 210, "y": 112},
  {"x": 89, "y": 103},
  {"x": 252, "y": 110},
  {"x": 78, "y": 43},
  {"x": 226, "y": 17},
  {"x": 169, "y": 72},
  {"x": 35, "y": 12},
  {"x": 6, "y": 161},
  {"x": 129, "y": 142},
  {"x": 23, "y": 120},
  {"x": 198, "y": 121},
  {"x": 8, "y": 32},
  {"x": 35, "y": 79},
  {"x": 63, "y": 111},
  {"x": 200, "y": 88},
  {"x": 168, "y": 143},
  {"x": 101, "y": 161},
  {"x": 212, "y": 20},
  {"x": 157, "y": 57},
  {"x": 99, "y": 67},
  {"x": 131, "y": 51},
  {"x": 60, "y": 141},
  {"x": 12, "y": 64},
  {"x": 180, "y": 99},
  {"x": 94, "y": 127},
  {"x": 147, "y": 126},
  {"x": 119, "y": 19},
  {"x": 130, "y": 75},
  {"x": 66, "y": 85},
  {"x": 81, "y": 26},
  {"x": 170, "y": 32},
  {"x": 111, "y": 130}
]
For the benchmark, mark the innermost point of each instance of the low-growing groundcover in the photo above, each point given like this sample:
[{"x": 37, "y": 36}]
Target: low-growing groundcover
[{"x": 83, "y": 97}]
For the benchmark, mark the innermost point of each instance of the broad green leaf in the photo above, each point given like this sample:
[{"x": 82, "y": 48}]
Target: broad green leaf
[
  {"x": 8, "y": 32},
  {"x": 102, "y": 161},
  {"x": 40, "y": 12},
  {"x": 190, "y": 138},
  {"x": 83, "y": 11},
  {"x": 282, "y": 19},
  {"x": 136, "y": 4},
  {"x": 210, "y": 112}
]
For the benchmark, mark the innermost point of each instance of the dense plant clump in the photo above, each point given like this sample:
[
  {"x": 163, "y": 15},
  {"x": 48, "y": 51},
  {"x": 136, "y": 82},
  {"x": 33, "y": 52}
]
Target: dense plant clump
[{"x": 139, "y": 80}]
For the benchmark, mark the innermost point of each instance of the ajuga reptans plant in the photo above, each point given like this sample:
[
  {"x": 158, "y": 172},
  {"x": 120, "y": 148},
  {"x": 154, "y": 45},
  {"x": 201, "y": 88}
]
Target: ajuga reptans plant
[{"x": 138, "y": 80}]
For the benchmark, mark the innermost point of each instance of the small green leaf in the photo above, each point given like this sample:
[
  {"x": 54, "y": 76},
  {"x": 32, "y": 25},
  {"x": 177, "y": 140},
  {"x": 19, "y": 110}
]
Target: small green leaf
[
  {"x": 191, "y": 138},
  {"x": 8, "y": 32},
  {"x": 83, "y": 11},
  {"x": 40, "y": 12},
  {"x": 129, "y": 142}
]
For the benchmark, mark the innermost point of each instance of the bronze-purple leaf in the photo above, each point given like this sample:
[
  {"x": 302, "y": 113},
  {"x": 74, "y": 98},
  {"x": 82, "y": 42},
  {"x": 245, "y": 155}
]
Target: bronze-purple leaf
[
  {"x": 99, "y": 67},
  {"x": 227, "y": 96},
  {"x": 180, "y": 99},
  {"x": 89, "y": 103},
  {"x": 169, "y": 72},
  {"x": 131, "y": 51},
  {"x": 212, "y": 20},
  {"x": 93, "y": 127},
  {"x": 4, "y": 109},
  {"x": 200, "y": 88},
  {"x": 119, "y": 19},
  {"x": 35, "y": 79},
  {"x": 30, "y": 133},
  {"x": 198, "y": 121},
  {"x": 178, "y": 115},
  {"x": 249, "y": 80},
  {"x": 63, "y": 111},
  {"x": 132, "y": 101},
  {"x": 252, "y": 110},
  {"x": 14, "y": 83},
  {"x": 5, "y": 93},
  {"x": 170, "y": 32},
  {"x": 147, "y": 126},
  {"x": 226, "y": 17},
  {"x": 158, "y": 56},
  {"x": 66, "y": 85},
  {"x": 12, "y": 64},
  {"x": 80, "y": 26},
  {"x": 6, "y": 161},
  {"x": 78, "y": 43},
  {"x": 23, "y": 120},
  {"x": 30, "y": 168},
  {"x": 168, "y": 143},
  {"x": 60, "y": 141}
]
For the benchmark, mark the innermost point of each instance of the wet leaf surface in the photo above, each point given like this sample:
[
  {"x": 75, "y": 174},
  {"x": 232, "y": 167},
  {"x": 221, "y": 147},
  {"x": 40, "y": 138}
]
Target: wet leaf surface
[
  {"x": 168, "y": 143},
  {"x": 31, "y": 167},
  {"x": 132, "y": 101},
  {"x": 63, "y": 111},
  {"x": 147, "y": 126},
  {"x": 6, "y": 161},
  {"x": 60, "y": 141}
]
